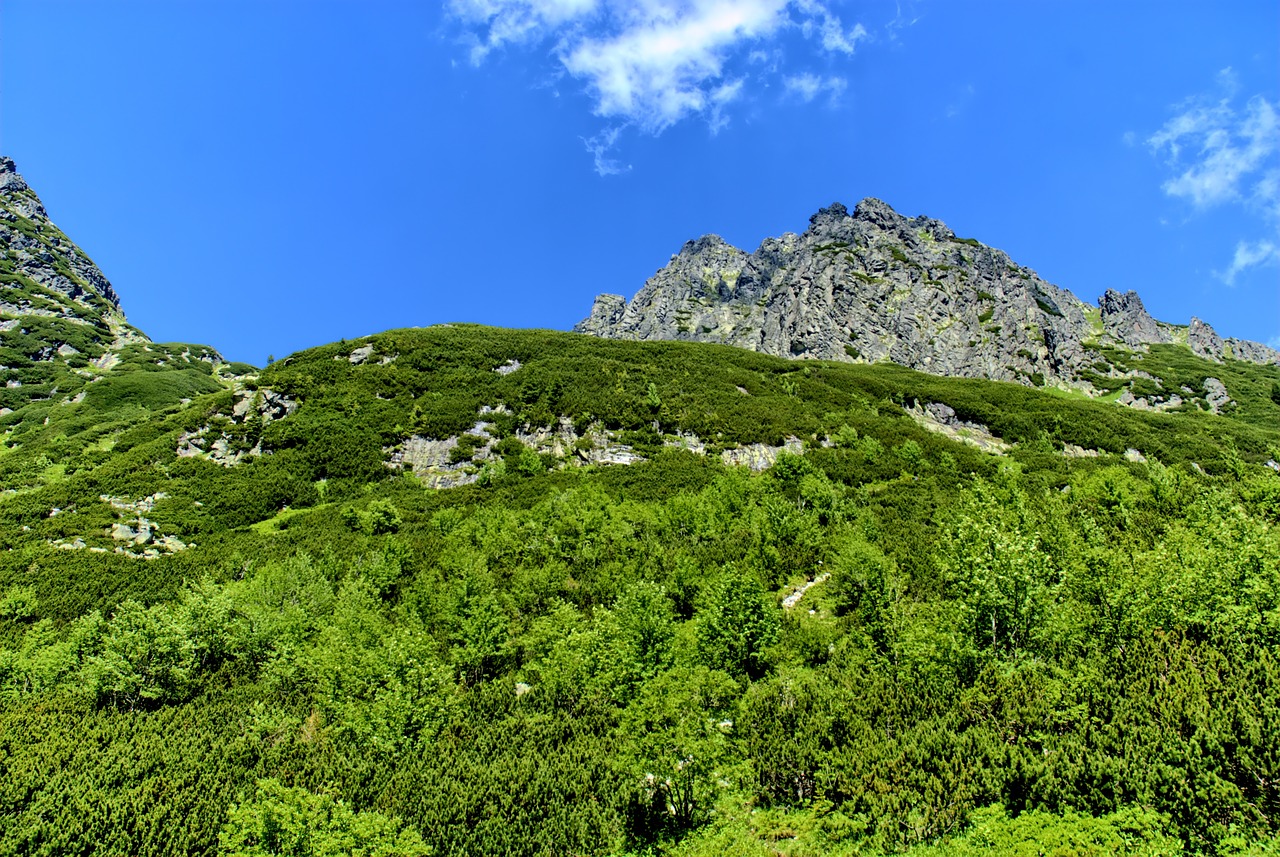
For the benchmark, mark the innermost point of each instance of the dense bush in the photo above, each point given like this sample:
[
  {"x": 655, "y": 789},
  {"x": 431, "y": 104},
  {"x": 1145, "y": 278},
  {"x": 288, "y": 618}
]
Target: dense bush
[{"x": 1012, "y": 652}]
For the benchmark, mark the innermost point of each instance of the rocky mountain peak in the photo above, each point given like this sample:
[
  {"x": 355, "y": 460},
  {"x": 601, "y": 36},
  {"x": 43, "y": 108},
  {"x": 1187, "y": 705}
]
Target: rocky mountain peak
[
  {"x": 1126, "y": 320},
  {"x": 877, "y": 212},
  {"x": 877, "y": 285},
  {"x": 1204, "y": 340},
  {"x": 58, "y": 313},
  {"x": 834, "y": 213},
  {"x": 9, "y": 177},
  {"x": 706, "y": 243},
  {"x": 38, "y": 254}
]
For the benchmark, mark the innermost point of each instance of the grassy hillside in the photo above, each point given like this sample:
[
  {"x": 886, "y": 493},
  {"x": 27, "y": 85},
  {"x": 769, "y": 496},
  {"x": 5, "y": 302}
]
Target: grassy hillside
[{"x": 236, "y": 617}]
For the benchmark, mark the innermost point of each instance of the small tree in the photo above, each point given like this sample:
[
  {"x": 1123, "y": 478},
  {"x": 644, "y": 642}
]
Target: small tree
[
  {"x": 281, "y": 820},
  {"x": 737, "y": 625},
  {"x": 147, "y": 657}
]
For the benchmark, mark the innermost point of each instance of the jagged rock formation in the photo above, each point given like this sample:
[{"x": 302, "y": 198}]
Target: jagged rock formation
[
  {"x": 42, "y": 273},
  {"x": 1126, "y": 320},
  {"x": 874, "y": 285},
  {"x": 58, "y": 313},
  {"x": 1202, "y": 340}
]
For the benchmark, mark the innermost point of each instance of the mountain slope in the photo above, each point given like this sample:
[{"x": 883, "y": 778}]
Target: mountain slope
[
  {"x": 59, "y": 316},
  {"x": 876, "y": 286},
  {"x": 74, "y": 374},
  {"x": 461, "y": 590}
]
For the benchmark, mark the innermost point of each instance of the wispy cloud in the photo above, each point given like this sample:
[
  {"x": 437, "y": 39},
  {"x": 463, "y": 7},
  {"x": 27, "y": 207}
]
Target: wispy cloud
[
  {"x": 1250, "y": 254},
  {"x": 808, "y": 86},
  {"x": 663, "y": 68},
  {"x": 1221, "y": 152},
  {"x": 601, "y": 147},
  {"x": 820, "y": 22},
  {"x": 648, "y": 64}
]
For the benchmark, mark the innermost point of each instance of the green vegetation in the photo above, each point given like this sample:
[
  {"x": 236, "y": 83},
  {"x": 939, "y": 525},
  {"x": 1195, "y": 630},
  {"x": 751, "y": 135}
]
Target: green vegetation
[
  {"x": 1023, "y": 654},
  {"x": 1047, "y": 307}
]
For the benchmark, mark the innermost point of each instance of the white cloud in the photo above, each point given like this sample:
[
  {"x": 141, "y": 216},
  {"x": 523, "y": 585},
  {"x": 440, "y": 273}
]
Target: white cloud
[
  {"x": 1248, "y": 255},
  {"x": 809, "y": 86},
  {"x": 600, "y": 146},
  {"x": 515, "y": 21},
  {"x": 659, "y": 70},
  {"x": 829, "y": 29},
  {"x": 721, "y": 97},
  {"x": 651, "y": 63},
  {"x": 1223, "y": 153},
  {"x": 1226, "y": 150}
]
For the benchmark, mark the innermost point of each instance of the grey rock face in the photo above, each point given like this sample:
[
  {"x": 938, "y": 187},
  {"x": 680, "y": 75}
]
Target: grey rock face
[
  {"x": 1215, "y": 393},
  {"x": 873, "y": 285},
  {"x": 1202, "y": 339},
  {"x": 605, "y": 313},
  {"x": 37, "y": 251},
  {"x": 1252, "y": 352},
  {"x": 1126, "y": 320}
]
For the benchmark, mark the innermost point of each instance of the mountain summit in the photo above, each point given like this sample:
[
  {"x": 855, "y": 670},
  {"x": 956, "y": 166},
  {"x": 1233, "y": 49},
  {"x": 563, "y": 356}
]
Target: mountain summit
[
  {"x": 61, "y": 327},
  {"x": 877, "y": 286}
]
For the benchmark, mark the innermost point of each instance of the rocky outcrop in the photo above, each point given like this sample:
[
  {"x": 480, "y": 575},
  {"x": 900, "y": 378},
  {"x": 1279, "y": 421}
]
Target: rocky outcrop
[
  {"x": 37, "y": 252},
  {"x": 873, "y": 285},
  {"x": 1216, "y": 395},
  {"x": 1204, "y": 341},
  {"x": 1126, "y": 320},
  {"x": 941, "y": 418},
  {"x": 1251, "y": 352},
  {"x": 57, "y": 310},
  {"x": 758, "y": 457},
  {"x": 219, "y": 442}
]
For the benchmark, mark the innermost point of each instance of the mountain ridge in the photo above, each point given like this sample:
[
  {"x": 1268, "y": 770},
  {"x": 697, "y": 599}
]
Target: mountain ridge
[
  {"x": 61, "y": 324},
  {"x": 875, "y": 285}
]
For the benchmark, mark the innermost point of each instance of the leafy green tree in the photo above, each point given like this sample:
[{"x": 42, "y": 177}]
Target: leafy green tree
[
  {"x": 867, "y": 587},
  {"x": 292, "y": 822},
  {"x": 995, "y": 565},
  {"x": 481, "y": 637},
  {"x": 147, "y": 657},
  {"x": 643, "y": 631},
  {"x": 675, "y": 749},
  {"x": 18, "y": 603},
  {"x": 378, "y": 682},
  {"x": 529, "y": 462},
  {"x": 737, "y": 625},
  {"x": 380, "y": 518},
  {"x": 1132, "y": 832}
]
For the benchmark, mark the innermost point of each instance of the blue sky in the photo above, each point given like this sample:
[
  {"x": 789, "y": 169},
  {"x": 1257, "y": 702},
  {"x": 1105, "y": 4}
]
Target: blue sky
[{"x": 267, "y": 176}]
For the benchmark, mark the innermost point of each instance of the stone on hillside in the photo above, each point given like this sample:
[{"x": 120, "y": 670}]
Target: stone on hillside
[
  {"x": 1215, "y": 393},
  {"x": 759, "y": 456},
  {"x": 1126, "y": 319},
  {"x": 1204, "y": 341}
]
